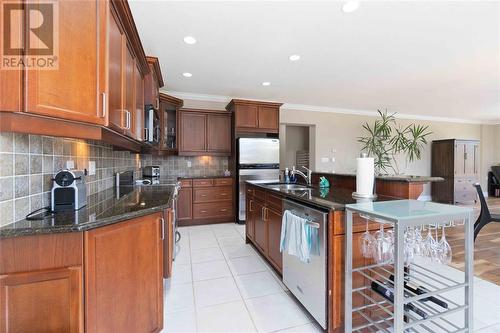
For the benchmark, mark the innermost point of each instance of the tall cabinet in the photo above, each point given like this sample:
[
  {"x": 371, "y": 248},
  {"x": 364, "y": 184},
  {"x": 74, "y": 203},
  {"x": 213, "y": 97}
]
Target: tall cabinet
[{"x": 458, "y": 162}]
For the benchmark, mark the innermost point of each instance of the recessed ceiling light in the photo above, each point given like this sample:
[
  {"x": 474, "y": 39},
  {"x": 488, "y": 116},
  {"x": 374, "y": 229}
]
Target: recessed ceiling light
[
  {"x": 265, "y": 84},
  {"x": 187, "y": 74},
  {"x": 294, "y": 57},
  {"x": 350, "y": 6},
  {"x": 189, "y": 40}
]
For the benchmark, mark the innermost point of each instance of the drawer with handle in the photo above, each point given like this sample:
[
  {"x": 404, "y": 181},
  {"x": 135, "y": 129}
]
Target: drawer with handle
[
  {"x": 214, "y": 209},
  {"x": 202, "y": 182},
  {"x": 212, "y": 194},
  {"x": 223, "y": 181},
  {"x": 465, "y": 196},
  {"x": 186, "y": 182}
]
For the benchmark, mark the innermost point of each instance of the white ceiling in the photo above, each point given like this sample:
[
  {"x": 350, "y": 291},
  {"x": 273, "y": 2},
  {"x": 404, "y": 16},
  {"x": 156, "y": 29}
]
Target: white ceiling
[{"x": 424, "y": 58}]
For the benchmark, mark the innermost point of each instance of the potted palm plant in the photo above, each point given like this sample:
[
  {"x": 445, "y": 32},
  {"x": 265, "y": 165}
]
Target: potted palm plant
[{"x": 385, "y": 140}]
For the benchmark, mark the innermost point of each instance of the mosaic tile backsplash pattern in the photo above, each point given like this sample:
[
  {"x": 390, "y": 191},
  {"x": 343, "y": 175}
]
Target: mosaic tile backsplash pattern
[{"x": 28, "y": 163}]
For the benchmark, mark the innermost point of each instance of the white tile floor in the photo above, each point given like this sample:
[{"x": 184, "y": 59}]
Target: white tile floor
[{"x": 221, "y": 284}]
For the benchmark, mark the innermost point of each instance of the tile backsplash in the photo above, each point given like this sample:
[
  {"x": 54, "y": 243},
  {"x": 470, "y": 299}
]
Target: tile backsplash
[
  {"x": 172, "y": 167},
  {"x": 28, "y": 163}
]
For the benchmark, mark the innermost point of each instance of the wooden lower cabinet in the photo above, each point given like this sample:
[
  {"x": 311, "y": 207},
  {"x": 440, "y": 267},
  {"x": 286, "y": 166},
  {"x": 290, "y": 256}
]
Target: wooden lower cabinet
[
  {"x": 273, "y": 221},
  {"x": 205, "y": 200},
  {"x": 42, "y": 301},
  {"x": 124, "y": 276},
  {"x": 168, "y": 242},
  {"x": 185, "y": 204},
  {"x": 260, "y": 237},
  {"x": 249, "y": 219}
]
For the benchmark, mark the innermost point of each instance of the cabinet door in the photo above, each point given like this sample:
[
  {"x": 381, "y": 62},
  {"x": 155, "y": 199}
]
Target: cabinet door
[
  {"x": 129, "y": 90},
  {"x": 219, "y": 133},
  {"x": 260, "y": 236},
  {"x": 185, "y": 204},
  {"x": 139, "y": 104},
  {"x": 151, "y": 94},
  {"x": 124, "y": 276},
  {"x": 116, "y": 40},
  {"x": 73, "y": 91},
  {"x": 477, "y": 158},
  {"x": 192, "y": 131},
  {"x": 249, "y": 219},
  {"x": 471, "y": 159},
  {"x": 42, "y": 301},
  {"x": 459, "y": 159},
  {"x": 168, "y": 243},
  {"x": 273, "y": 222},
  {"x": 246, "y": 116},
  {"x": 268, "y": 118}
]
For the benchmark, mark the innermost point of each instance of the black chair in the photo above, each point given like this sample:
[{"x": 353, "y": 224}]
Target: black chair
[{"x": 485, "y": 216}]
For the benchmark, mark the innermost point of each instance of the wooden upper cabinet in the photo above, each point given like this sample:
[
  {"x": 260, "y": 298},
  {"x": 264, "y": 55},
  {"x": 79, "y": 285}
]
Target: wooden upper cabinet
[
  {"x": 246, "y": 116},
  {"x": 219, "y": 133},
  {"x": 73, "y": 91},
  {"x": 139, "y": 104},
  {"x": 129, "y": 92},
  {"x": 116, "y": 39},
  {"x": 153, "y": 81},
  {"x": 269, "y": 118},
  {"x": 124, "y": 276},
  {"x": 254, "y": 116},
  {"x": 204, "y": 132},
  {"x": 193, "y": 131}
]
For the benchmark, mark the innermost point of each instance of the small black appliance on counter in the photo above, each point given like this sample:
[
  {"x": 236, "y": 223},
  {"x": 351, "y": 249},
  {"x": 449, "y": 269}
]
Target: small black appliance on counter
[{"x": 68, "y": 190}]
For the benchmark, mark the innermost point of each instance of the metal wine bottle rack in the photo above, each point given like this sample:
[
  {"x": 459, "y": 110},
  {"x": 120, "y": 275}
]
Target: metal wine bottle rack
[{"x": 374, "y": 313}]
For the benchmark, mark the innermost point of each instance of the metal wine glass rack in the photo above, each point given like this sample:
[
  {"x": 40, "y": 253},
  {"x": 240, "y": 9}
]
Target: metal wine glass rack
[{"x": 370, "y": 312}]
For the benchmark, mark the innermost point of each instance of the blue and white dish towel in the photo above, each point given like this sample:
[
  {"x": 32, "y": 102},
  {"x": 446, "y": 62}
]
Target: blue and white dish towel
[{"x": 298, "y": 238}]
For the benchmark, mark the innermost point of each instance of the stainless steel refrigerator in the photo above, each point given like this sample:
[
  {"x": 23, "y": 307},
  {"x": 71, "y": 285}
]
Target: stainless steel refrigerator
[{"x": 258, "y": 159}]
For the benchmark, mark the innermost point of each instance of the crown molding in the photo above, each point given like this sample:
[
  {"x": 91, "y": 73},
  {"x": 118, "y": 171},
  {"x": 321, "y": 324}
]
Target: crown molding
[{"x": 327, "y": 109}]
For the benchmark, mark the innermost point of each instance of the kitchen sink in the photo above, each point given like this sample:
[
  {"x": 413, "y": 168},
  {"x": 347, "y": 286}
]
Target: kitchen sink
[{"x": 290, "y": 187}]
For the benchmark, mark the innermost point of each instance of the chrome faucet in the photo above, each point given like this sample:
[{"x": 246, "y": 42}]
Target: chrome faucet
[{"x": 307, "y": 177}]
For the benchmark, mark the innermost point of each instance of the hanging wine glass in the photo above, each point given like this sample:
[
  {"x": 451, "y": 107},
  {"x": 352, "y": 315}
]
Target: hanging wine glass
[
  {"x": 445, "y": 248},
  {"x": 367, "y": 243},
  {"x": 428, "y": 244}
]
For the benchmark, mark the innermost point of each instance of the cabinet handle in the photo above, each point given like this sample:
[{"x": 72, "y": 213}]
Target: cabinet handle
[
  {"x": 223, "y": 210},
  {"x": 127, "y": 119},
  {"x": 262, "y": 214},
  {"x": 203, "y": 211},
  {"x": 266, "y": 212},
  {"x": 223, "y": 194},
  {"x": 162, "y": 228},
  {"x": 203, "y": 195},
  {"x": 103, "y": 105},
  {"x": 251, "y": 206},
  {"x": 146, "y": 134}
]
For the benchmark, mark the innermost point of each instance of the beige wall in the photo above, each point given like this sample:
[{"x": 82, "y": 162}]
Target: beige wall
[
  {"x": 341, "y": 131},
  {"x": 297, "y": 138}
]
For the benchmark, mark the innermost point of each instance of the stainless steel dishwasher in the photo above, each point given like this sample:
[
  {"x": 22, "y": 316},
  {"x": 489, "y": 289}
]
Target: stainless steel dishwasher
[{"x": 307, "y": 281}]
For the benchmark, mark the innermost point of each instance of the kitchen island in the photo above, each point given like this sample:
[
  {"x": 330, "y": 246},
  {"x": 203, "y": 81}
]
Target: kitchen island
[
  {"x": 64, "y": 273},
  {"x": 264, "y": 207}
]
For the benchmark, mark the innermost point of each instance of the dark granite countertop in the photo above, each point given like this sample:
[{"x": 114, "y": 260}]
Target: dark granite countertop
[
  {"x": 205, "y": 177},
  {"x": 103, "y": 208},
  {"x": 400, "y": 178},
  {"x": 327, "y": 198}
]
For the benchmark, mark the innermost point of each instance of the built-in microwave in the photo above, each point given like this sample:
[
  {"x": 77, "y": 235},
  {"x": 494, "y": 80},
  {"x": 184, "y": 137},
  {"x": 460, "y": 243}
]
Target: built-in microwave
[{"x": 151, "y": 125}]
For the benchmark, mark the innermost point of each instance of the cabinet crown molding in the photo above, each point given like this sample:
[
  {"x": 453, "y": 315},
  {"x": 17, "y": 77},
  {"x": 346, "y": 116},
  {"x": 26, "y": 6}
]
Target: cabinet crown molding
[
  {"x": 155, "y": 63},
  {"x": 234, "y": 102}
]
